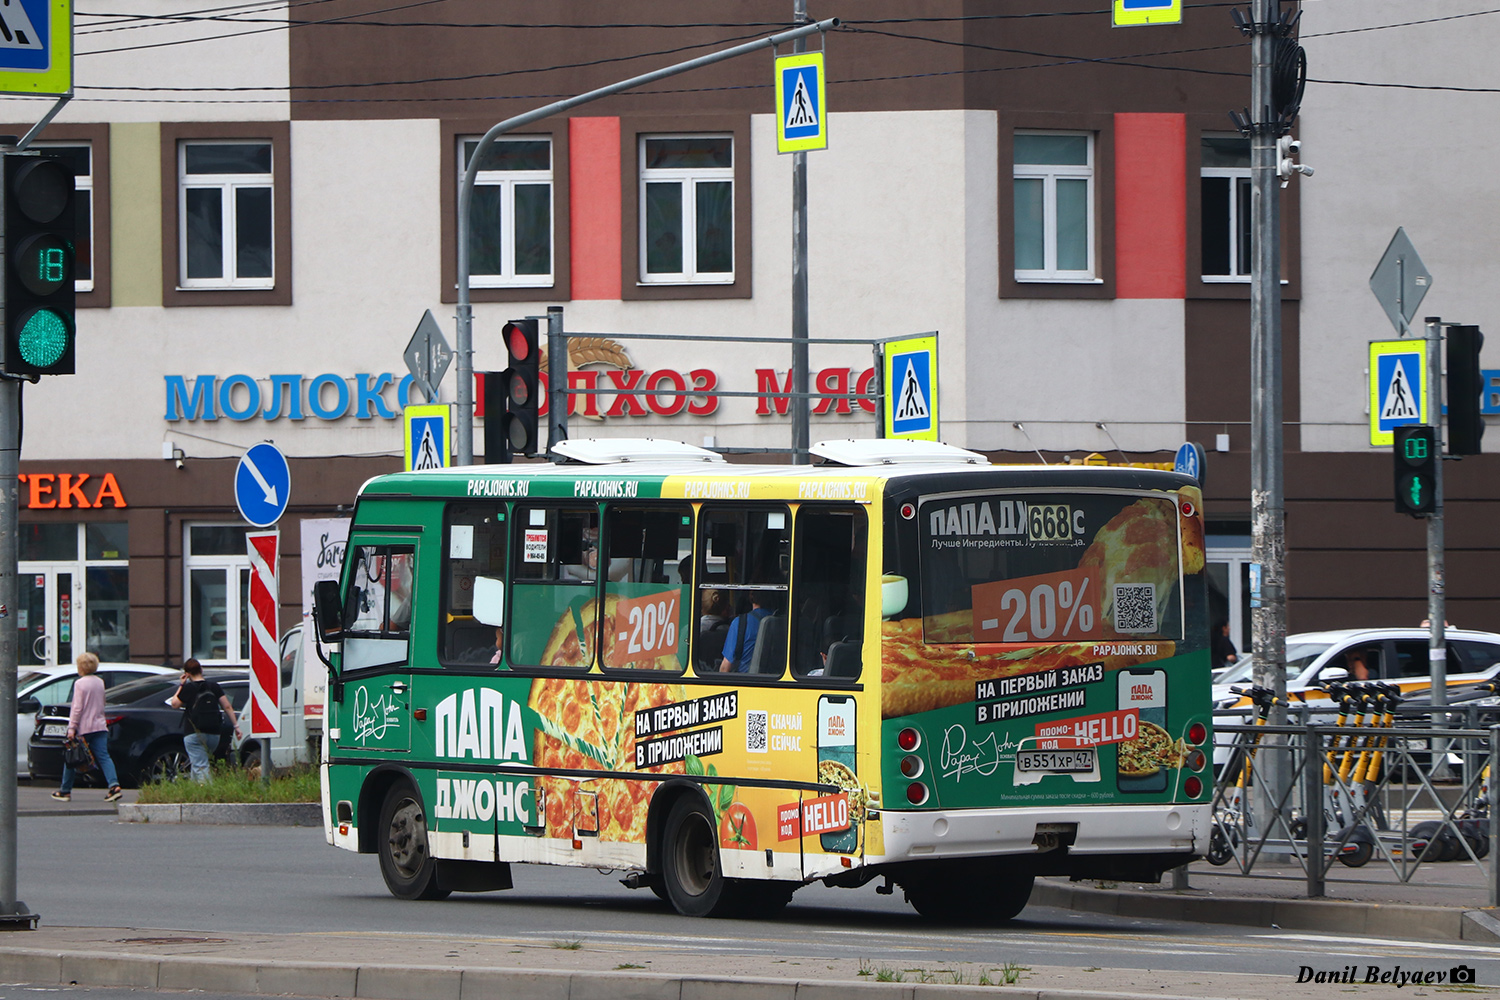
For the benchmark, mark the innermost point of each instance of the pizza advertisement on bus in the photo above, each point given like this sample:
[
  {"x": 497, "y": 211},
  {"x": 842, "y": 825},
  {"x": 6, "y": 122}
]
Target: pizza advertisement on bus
[{"x": 1029, "y": 605}]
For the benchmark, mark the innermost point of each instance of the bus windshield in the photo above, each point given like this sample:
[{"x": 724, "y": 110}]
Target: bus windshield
[{"x": 1050, "y": 567}]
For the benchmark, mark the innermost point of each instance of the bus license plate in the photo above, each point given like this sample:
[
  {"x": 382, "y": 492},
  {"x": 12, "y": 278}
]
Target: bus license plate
[
  {"x": 1065, "y": 761},
  {"x": 55, "y": 730}
]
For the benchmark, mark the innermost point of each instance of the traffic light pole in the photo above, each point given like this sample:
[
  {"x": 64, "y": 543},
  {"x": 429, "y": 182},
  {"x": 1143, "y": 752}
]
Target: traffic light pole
[
  {"x": 465, "y": 313},
  {"x": 1437, "y": 643},
  {"x": 11, "y": 911}
]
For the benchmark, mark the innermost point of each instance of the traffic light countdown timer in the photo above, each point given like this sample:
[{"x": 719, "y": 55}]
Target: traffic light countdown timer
[
  {"x": 1416, "y": 461},
  {"x": 40, "y": 225}
]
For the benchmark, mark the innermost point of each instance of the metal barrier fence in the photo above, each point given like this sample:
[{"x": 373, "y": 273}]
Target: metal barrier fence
[{"x": 1319, "y": 795}]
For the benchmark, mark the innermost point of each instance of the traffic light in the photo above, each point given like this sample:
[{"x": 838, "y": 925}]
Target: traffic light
[
  {"x": 523, "y": 385},
  {"x": 1465, "y": 388},
  {"x": 1416, "y": 469},
  {"x": 496, "y": 444},
  {"x": 39, "y": 248}
]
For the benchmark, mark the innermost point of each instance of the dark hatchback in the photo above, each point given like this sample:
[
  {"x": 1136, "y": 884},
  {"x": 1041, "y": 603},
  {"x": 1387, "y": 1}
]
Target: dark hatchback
[{"x": 145, "y": 733}]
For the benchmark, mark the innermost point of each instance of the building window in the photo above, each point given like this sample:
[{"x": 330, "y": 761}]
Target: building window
[
  {"x": 687, "y": 209},
  {"x": 66, "y": 605},
  {"x": 78, "y": 157},
  {"x": 510, "y": 228},
  {"x": 225, "y": 212},
  {"x": 1054, "y": 206},
  {"x": 216, "y": 613},
  {"x": 1225, "y": 176}
]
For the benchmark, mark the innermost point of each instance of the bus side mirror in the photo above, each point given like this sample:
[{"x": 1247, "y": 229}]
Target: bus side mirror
[
  {"x": 328, "y": 611},
  {"x": 489, "y": 601}
]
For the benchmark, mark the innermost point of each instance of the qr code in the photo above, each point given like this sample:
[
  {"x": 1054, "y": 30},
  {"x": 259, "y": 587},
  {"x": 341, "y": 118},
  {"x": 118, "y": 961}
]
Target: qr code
[
  {"x": 1135, "y": 607},
  {"x": 755, "y": 731}
]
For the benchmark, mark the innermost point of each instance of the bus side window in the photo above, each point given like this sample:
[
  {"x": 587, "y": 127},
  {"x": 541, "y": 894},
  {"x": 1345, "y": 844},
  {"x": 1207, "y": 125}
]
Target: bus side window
[
  {"x": 828, "y": 592},
  {"x": 744, "y": 554},
  {"x": 649, "y": 612},
  {"x": 554, "y": 603},
  {"x": 379, "y": 606},
  {"x": 474, "y": 547}
]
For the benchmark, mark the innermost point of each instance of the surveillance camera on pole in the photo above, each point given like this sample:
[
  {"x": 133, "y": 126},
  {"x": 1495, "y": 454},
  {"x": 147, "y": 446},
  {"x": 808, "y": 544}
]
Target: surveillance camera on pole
[{"x": 1287, "y": 150}]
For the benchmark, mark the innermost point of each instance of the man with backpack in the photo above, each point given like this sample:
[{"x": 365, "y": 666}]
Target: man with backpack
[{"x": 202, "y": 724}]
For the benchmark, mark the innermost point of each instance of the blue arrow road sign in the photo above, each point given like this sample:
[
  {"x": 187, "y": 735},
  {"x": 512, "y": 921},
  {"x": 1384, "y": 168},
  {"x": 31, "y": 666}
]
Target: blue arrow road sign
[{"x": 262, "y": 485}]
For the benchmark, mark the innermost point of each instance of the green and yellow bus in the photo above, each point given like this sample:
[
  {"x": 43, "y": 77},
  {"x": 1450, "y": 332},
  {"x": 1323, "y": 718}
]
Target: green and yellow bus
[{"x": 728, "y": 681}]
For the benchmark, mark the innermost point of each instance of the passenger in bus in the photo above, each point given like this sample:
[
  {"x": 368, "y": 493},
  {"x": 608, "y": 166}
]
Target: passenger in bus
[
  {"x": 499, "y": 645},
  {"x": 713, "y": 625},
  {"x": 739, "y": 641}
]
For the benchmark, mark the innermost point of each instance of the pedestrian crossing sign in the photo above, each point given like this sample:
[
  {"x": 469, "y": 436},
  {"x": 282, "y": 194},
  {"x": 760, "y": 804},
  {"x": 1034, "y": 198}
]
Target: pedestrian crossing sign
[
  {"x": 910, "y": 381},
  {"x": 802, "y": 113},
  {"x": 1131, "y": 13},
  {"x": 1398, "y": 387},
  {"x": 426, "y": 437}
]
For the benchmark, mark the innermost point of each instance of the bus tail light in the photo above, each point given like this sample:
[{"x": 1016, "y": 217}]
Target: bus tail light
[
  {"x": 916, "y": 793},
  {"x": 1193, "y": 786},
  {"x": 1195, "y": 760},
  {"x": 911, "y": 766},
  {"x": 908, "y": 739},
  {"x": 1197, "y": 733}
]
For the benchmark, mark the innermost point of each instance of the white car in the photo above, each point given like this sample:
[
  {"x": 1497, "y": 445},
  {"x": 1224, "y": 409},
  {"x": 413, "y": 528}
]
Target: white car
[
  {"x": 1394, "y": 655},
  {"x": 38, "y": 686}
]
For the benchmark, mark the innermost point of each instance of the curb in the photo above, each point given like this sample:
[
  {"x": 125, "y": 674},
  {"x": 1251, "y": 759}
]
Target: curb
[
  {"x": 385, "y": 982},
  {"x": 1401, "y": 920},
  {"x": 226, "y": 813}
]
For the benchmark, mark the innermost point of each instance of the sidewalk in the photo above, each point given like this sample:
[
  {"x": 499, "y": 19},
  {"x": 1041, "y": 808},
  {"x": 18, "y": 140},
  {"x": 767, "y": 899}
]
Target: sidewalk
[
  {"x": 1443, "y": 902},
  {"x": 414, "y": 966}
]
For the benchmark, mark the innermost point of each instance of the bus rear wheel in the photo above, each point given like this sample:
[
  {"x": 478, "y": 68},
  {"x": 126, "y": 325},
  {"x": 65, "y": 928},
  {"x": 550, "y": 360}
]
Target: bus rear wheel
[
  {"x": 973, "y": 897},
  {"x": 406, "y": 862},
  {"x": 691, "y": 874}
]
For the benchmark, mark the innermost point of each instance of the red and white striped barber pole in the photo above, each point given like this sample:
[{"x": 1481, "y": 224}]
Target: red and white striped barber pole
[{"x": 265, "y": 672}]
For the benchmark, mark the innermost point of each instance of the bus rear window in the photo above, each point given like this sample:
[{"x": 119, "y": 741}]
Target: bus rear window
[{"x": 1040, "y": 568}]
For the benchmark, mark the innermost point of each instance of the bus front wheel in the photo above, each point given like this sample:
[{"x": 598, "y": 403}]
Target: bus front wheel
[
  {"x": 405, "y": 861},
  {"x": 694, "y": 882},
  {"x": 970, "y": 897}
]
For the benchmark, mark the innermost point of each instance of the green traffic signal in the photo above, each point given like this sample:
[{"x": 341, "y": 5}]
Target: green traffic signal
[
  {"x": 40, "y": 222},
  {"x": 43, "y": 338},
  {"x": 1416, "y": 456}
]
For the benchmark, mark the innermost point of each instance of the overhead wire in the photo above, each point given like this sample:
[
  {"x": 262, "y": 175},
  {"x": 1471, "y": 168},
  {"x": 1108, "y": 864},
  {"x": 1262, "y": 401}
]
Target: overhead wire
[{"x": 1051, "y": 60}]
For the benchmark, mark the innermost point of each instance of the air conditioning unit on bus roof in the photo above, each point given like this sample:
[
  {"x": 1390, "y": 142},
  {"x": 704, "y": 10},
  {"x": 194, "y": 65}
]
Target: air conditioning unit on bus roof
[
  {"x": 894, "y": 451},
  {"x": 603, "y": 451}
]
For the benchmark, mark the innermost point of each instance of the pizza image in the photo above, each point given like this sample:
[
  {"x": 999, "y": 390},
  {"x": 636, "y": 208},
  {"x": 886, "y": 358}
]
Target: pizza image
[
  {"x": 1152, "y": 749},
  {"x": 831, "y": 772},
  {"x": 573, "y": 634},
  {"x": 1138, "y": 546},
  {"x": 589, "y": 725},
  {"x": 918, "y": 677}
]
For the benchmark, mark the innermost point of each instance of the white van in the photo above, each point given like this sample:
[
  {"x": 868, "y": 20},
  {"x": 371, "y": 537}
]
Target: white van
[{"x": 301, "y": 733}]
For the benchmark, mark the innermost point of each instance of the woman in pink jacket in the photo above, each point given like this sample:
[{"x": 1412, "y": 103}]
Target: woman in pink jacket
[{"x": 86, "y": 720}]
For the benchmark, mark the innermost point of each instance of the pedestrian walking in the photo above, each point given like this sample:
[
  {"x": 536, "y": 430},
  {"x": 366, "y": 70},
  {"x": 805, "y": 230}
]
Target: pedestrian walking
[
  {"x": 202, "y": 724},
  {"x": 86, "y": 722}
]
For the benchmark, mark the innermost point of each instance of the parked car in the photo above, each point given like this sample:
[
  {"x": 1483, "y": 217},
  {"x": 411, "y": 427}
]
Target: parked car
[
  {"x": 38, "y": 686},
  {"x": 1394, "y": 655},
  {"x": 145, "y": 733}
]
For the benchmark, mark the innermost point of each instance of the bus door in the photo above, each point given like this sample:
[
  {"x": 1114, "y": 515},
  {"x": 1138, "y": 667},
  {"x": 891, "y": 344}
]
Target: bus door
[{"x": 374, "y": 712}]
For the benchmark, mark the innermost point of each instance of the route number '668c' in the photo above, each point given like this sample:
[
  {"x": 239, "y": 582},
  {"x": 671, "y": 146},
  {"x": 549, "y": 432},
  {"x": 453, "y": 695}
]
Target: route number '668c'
[{"x": 1053, "y": 523}]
